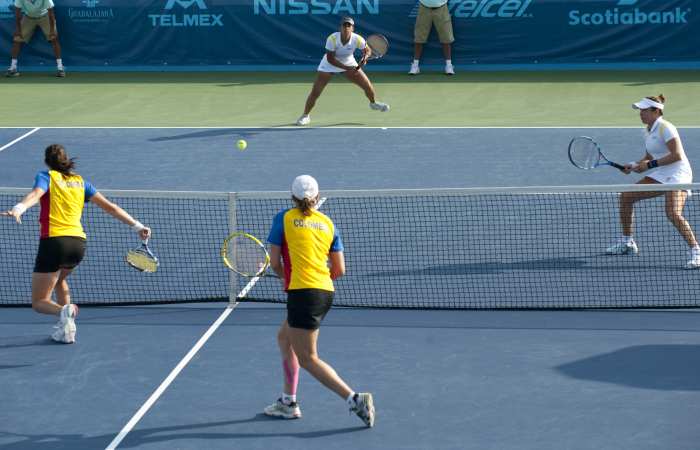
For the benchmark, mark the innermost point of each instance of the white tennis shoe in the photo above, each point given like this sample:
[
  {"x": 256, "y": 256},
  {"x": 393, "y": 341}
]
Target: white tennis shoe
[
  {"x": 623, "y": 248},
  {"x": 414, "y": 70},
  {"x": 379, "y": 106},
  {"x": 283, "y": 410},
  {"x": 449, "y": 69},
  {"x": 304, "y": 120},
  {"x": 65, "y": 328},
  {"x": 694, "y": 261},
  {"x": 364, "y": 408}
]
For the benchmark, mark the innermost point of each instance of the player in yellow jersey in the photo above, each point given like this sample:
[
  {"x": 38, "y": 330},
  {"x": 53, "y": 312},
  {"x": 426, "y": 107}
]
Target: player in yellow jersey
[
  {"x": 302, "y": 242},
  {"x": 62, "y": 194}
]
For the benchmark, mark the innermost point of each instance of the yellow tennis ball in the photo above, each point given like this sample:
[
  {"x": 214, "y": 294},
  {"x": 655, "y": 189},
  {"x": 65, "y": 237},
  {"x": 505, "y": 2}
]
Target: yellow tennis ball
[{"x": 242, "y": 144}]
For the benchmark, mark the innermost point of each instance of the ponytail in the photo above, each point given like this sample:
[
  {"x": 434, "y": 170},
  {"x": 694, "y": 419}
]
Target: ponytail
[
  {"x": 306, "y": 205},
  {"x": 57, "y": 159}
]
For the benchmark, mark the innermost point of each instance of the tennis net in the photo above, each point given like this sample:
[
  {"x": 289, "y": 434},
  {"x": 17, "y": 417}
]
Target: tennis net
[{"x": 431, "y": 249}]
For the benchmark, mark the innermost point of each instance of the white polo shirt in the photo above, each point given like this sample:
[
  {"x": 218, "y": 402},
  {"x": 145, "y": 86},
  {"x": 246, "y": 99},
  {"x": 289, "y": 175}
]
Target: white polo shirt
[
  {"x": 655, "y": 141},
  {"x": 34, "y": 8},
  {"x": 343, "y": 52}
]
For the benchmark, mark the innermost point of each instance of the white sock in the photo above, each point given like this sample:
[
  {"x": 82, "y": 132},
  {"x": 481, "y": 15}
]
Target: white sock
[
  {"x": 627, "y": 239},
  {"x": 288, "y": 399},
  {"x": 351, "y": 400},
  {"x": 448, "y": 62},
  {"x": 13, "y": 64},
  {"x": 59, "y": 63},
  {"x": 415, "y": 62}
]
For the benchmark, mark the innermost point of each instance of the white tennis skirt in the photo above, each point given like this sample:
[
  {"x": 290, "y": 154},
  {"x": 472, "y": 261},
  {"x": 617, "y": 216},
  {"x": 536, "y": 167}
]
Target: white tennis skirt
[
  {"x": 325, "y": 66},
  {"x": 679, "y": 172}
]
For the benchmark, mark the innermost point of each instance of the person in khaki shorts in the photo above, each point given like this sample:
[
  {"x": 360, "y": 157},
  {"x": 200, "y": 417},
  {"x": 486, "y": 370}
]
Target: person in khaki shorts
[
  {"x": 433, "y": 12},
  {"x": 30, "y": 14}
]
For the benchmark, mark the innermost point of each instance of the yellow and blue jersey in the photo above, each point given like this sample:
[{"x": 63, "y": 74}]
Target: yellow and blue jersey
[
  {"x": 306, "y": 242},
  {"x": 62, "y": 203}
]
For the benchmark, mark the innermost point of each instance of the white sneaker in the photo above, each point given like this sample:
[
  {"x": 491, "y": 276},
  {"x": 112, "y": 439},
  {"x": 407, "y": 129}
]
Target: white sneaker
[
  {"x": 449, "y": 69},
  {"x": 415, "y": 70},
  {"x": 623, "y": 248},
  {"x": 379, "y": 106},
  {"x": 304, "y": 120},
  {"x": 65, "y": 328},
  {"x": 694, "y": 261},
  {"x": 364, "y": 408},
  {"x": 283, "y": 410}
]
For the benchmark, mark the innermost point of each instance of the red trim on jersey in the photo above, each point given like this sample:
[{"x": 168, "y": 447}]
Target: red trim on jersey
[
  {"x": 45, "y": 203},
  {"x": 287, "y": 261}
]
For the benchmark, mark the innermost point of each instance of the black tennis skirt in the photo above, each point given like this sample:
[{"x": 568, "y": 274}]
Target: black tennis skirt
[
  {"x": 306, "y": 308},
  {"x": 63, "y": 252}
]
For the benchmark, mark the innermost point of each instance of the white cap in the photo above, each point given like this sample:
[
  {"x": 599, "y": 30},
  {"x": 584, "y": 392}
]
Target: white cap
[
  {"x": 646, "y": 103},
  {"x": 305, "y": 186}
]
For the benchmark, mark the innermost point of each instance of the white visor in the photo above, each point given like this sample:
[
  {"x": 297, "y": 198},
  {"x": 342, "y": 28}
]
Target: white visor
[
  {"x": 305, "y": 186},
  {"x": 645, "y": 103}
]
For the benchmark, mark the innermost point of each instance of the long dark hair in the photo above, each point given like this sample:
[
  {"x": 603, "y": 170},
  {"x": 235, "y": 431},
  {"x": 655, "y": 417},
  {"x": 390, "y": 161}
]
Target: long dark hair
[
  {"x": 306, "y": 205},
  {"x": 57, "y": 159}
]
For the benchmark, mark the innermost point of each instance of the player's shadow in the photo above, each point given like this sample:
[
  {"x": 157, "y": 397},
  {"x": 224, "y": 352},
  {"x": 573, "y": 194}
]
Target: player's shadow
[
  {"x": 25, "y": 341},
  {"x": 137, "y": 438},
  {"x": 659, "y": 367},
  {"x": 480, "y": 268},
  {"x": 545, "y": 264},
  {"x": 245, "y": 133}
]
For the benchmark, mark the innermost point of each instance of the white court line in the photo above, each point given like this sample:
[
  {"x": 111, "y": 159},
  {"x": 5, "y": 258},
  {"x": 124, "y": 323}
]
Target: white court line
[
  {"x": 294, "y": 127},
  {"x": 164, "y": 385},
  {"x": 19, "y": 139},
  {"x": 181, "y": 365}
]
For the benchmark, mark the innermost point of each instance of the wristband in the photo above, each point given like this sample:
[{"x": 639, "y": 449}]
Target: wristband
[
  {"x": 137, "y": 227},
  {"x": 19, "y": 209},
  {"x": 653, "y": 163}
]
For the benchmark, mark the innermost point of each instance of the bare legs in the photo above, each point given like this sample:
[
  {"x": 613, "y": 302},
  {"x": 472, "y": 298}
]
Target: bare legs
[
  {"x": 675, "y": 201},
  {"x": 297, "y": 344},
  {"x": 43, "y": 284}
]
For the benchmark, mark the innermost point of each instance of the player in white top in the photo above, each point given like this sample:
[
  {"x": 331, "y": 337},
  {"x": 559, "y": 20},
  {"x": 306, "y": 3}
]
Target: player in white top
[
  {"x": 340, "y": 47},
  {"x": 664, "y": 162}
]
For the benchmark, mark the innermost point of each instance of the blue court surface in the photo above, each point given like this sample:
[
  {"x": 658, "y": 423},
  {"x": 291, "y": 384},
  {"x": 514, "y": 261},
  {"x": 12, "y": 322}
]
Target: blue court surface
[{"x": 612, "y": 379}]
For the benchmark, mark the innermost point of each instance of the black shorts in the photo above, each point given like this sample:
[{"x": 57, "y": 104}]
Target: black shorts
[
  {"x": 63, "y": 252},
  {"x": 306, "y": 308}
]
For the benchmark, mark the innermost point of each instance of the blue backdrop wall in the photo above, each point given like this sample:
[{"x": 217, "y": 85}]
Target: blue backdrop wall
[{"x": 231, "y": 33}]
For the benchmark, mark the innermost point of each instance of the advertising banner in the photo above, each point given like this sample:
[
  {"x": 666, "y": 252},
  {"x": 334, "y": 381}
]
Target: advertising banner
[{"x": 258, "y": 33}]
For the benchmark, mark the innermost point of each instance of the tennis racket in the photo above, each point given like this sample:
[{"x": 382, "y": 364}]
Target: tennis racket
[
  {"x": 142, "y": 258},
  {"x": 378, "y": 44},
  {"x": 586, "y": 154},
  {"x": 246, "y": 255}
]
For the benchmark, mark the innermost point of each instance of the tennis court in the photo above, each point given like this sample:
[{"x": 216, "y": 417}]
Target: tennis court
[{"x": 443, "y": 379}]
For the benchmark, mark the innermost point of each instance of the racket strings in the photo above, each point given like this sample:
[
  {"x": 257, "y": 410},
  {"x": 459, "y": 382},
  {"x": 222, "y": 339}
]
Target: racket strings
[
  {"x": 142, "y": 260},
  {"x": 584, "y": 153},
  {"x": 378, "y": 44},
  {"x": 247, "y": 256}
]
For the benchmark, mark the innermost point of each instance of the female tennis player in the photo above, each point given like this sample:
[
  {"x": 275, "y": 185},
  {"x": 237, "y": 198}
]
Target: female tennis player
[
  {"x": 664, "y": 162},
  {"x": 302, "y": 242},
  {"x": 340, "y": 47},
  {"x": 62, "y": 194}
]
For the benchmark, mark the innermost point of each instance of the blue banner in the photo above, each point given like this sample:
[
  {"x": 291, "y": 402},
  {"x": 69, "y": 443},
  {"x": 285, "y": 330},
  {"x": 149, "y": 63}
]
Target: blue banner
[{"x": 235, "y": 33}]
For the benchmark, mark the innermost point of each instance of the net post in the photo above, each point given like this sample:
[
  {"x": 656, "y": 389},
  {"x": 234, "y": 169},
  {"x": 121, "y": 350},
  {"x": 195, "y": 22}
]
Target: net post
[{"x": 232, "y": 276}]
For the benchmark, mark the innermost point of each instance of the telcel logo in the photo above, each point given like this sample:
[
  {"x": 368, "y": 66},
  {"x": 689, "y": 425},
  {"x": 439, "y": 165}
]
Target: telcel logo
[
  {"x": 635, "y": 16},
  {"x": 485, "y": 9},
  {"x": 184, "y": 19}
]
